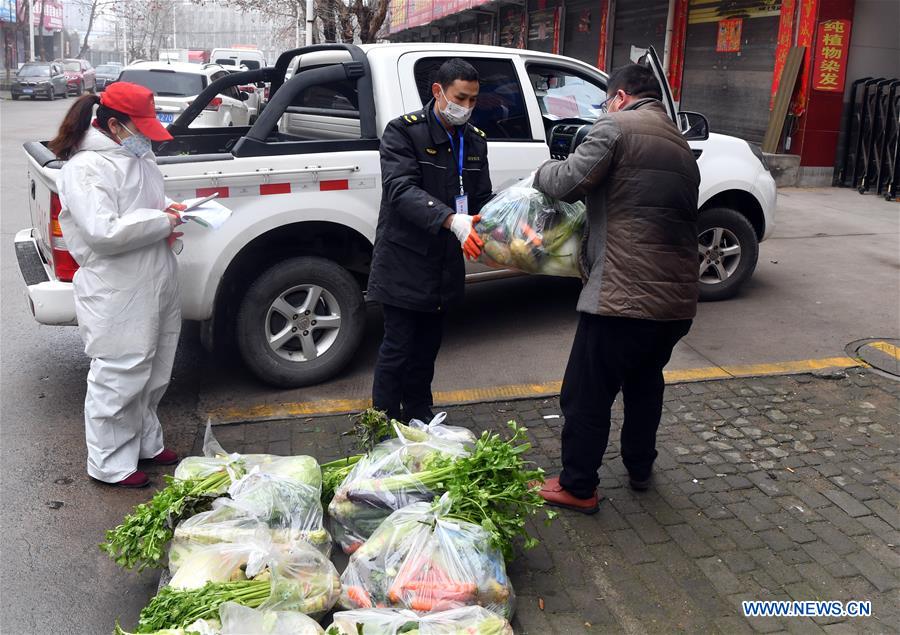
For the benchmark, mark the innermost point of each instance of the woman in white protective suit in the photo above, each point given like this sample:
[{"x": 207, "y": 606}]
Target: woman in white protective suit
[{"x": 119, "y": 227}]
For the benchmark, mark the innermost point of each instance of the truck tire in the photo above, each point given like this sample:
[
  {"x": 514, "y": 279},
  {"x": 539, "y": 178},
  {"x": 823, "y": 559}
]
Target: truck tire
[
  {"x": 300, "y": 322},
  {"x": 728, "y": 250}
]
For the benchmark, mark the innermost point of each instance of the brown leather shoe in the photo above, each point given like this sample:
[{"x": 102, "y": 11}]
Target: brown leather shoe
[{"x": 555, "y": 495}]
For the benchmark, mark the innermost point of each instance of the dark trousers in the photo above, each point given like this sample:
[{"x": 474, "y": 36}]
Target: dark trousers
[
  {"x": 610, "y": 354},
  {"x": 405, "y": 365}
]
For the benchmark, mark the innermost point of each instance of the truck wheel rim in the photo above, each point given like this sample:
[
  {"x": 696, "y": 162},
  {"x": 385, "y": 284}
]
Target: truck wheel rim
[
  {"x": 720, "y": 255},
  {"x": 302, "y": 323}
]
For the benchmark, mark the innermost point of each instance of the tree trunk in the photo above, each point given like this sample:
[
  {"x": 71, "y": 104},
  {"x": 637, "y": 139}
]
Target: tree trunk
[
  {"x": 40, "y": 30},
  {"x": 87, "y": 33}
]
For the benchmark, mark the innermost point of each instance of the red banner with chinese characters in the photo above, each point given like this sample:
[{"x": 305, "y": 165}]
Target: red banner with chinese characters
[
  {"x": 785, "y": 40},
  {"x": 676, "y": 52},
  {"x": 832, "y": 48},
  {"x": 729, "y": 35},
  {"x": 604, "y": 37},
  {"x": 805, "y": 37}
]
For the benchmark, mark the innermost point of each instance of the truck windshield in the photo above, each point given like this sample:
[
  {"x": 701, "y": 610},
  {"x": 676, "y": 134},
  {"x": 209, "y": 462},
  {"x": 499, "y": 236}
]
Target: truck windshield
[
  {"x": 166, "y": 83},
  {"x": 562, "y": 94},
  {"x": 30, "y": 70}
]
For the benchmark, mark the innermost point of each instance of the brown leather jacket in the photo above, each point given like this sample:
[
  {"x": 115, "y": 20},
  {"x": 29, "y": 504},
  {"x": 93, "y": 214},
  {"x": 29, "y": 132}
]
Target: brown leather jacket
[{"x": 640, "y": 182}]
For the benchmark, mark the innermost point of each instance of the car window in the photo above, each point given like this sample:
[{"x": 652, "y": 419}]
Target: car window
[
  {"x": 72, "y": 66},
  {"x": 225, "y": 61},
  {"x": 251, "y": 65},
  {"x": 500, "y": 110},
  {"x": 34, "y": 70},
  {"x": 166, "y": 83},
  {"x": 107, "y": 69},
  {"x": 562, "y": 93}
]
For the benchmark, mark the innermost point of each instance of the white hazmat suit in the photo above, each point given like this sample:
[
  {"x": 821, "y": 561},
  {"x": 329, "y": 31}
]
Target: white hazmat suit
[{"x": 126, "y": 298}]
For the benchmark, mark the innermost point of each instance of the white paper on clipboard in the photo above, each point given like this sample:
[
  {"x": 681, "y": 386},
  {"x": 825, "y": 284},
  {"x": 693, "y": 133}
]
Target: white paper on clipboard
[{"x": 211, "y": 214}]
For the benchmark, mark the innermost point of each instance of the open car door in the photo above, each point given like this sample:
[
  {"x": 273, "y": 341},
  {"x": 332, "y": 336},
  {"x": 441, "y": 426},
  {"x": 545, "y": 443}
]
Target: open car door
[{"x": 651, "y": 60}]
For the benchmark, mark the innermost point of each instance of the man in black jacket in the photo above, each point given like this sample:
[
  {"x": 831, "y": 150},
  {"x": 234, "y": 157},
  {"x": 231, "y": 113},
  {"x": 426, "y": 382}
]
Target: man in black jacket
[{"x": 435, "y": 179}]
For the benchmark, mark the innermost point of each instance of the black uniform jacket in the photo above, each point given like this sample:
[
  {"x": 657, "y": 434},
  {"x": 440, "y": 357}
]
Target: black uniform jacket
[{"x": 417, "y": 264}]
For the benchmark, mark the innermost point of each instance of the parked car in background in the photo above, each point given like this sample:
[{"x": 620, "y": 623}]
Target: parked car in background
[
  {"x": 251, "y": 58},
  {"x": 39, "y": 79},
  {"x": 80, "y": 76},
  {"x": 107, "y": 74},
  {"x": 255, "y": 91},
  {"x": 175, "y": 86}
]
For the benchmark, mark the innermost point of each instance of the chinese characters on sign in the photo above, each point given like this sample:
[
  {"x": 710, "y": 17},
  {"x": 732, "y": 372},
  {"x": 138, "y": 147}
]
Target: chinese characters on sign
[
  {"x": 832, "y": 45},
  {"x": 729, "y": 38}
]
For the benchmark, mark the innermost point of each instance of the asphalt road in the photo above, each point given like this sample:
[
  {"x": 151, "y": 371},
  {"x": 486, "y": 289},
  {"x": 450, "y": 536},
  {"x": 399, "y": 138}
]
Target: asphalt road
[{"x": 828, "y": 277}]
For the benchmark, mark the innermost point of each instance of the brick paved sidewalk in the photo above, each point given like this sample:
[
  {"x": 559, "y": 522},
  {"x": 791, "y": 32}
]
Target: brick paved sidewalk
[{"x": 781, "y": 488}]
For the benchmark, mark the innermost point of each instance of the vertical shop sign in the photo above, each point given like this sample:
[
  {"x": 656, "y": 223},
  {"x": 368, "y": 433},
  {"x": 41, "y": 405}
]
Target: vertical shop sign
[
  {"x": 729, "y": 35},
  {"x": 832, "y": 47}
]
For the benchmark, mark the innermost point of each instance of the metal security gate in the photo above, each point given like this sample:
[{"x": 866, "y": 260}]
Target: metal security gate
[
  {"x": 581, "y": 38},
  {"x": 639, "y": 23},
  {"x": 872, "y": 129}
]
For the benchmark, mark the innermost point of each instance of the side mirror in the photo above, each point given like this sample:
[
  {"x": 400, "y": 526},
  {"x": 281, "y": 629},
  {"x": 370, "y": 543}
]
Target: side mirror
[
  {"x": 244, "y": 95},
  {"x": 694, "y": 126}
]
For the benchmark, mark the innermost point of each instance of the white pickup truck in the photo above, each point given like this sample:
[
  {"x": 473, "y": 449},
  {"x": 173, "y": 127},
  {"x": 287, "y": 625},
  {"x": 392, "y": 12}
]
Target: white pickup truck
[{"x": 285, "y": 277}]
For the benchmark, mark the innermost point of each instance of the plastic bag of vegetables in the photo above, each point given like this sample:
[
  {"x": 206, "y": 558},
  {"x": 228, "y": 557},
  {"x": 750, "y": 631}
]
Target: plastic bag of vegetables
[
  {"x": 242, "y": 620},
  {"x": 291, "y": 511},
  {"x": 256, "y": 573},
  {"x": 468, "y": 620},
  {"x": 421, "y": 558},
  {"x": 526, "y": 230},
  {"x": 384, "y": 479},
  {"x": 140, "y": 540}
]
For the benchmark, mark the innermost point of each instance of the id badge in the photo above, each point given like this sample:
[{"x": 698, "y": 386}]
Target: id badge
[{"x": 462, "y": 204}]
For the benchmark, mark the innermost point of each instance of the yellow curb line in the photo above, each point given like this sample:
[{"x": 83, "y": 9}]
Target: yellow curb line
[
  {"x": 885, "y": 347},
  {"x": 266, "y": 412}
]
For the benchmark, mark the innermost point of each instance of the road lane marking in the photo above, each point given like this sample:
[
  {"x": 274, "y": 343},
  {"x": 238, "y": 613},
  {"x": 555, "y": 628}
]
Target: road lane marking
[
  {"x": 886, "y": 347},
  {"x": 291, "y": 410}
]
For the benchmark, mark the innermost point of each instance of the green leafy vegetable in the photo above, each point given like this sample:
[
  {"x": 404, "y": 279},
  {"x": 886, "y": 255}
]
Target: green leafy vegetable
[
  {"x": 174, "y": 608},
  {"x": 141, "y": 539}
]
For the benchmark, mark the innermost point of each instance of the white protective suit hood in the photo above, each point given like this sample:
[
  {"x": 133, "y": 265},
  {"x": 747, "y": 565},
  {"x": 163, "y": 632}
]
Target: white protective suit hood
[{"x": 126, "y": 297}]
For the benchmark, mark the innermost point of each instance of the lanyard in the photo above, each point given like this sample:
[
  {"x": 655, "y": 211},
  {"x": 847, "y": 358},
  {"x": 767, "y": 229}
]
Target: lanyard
[{"x": 462, "y": 155}]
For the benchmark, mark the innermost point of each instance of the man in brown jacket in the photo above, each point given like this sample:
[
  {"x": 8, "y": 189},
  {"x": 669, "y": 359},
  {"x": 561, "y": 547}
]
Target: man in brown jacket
[{"x": 640, "y": 181}]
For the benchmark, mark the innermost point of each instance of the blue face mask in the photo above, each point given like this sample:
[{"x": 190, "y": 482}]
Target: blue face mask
[{"x": 137, "y": 144}]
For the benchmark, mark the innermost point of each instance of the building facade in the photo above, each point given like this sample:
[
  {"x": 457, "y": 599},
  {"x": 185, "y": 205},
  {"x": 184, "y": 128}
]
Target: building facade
[{"x": 724, "y": 58}]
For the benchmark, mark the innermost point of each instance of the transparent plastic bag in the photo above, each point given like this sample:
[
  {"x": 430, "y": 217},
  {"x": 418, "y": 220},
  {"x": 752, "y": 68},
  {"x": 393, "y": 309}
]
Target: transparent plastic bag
[
  {"x": 303, "y": 469},
  {"x": 384, "y": 480},
  {"x": 526, "y": 230},
  {"x": 242, "y": 620},
  {"x": 299, "y": 577},
  {"x": 468, "y": 620},
  {"x": 290, "y": 510},
  {"x": 423, "y": 559}
]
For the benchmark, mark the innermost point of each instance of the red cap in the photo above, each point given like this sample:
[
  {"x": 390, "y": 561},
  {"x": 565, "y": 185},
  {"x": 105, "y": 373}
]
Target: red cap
[{"x": 137, "y": 102}]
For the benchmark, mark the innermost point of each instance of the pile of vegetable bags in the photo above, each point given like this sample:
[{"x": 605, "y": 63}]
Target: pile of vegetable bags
[
  {"x": 424, "y": 559},
  {"x": 469, "y": 620},
  {"x": 526, "y": 230},
  {"x": 385, "y": 479},
  {"x": 256, "y": 573}
]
